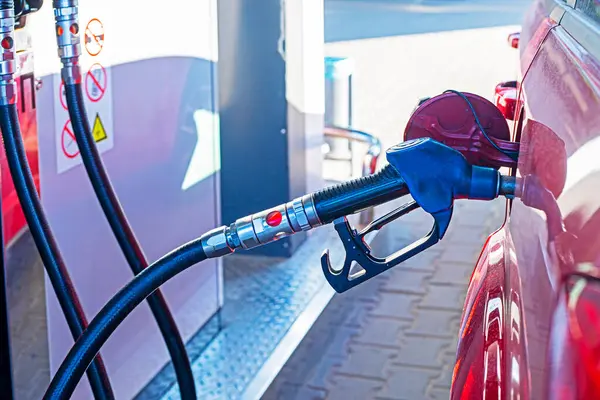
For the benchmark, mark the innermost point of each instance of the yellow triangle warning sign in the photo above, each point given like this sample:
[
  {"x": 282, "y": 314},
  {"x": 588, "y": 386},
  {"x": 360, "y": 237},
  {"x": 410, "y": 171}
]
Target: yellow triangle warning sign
[{"x": 98, "y": 131}]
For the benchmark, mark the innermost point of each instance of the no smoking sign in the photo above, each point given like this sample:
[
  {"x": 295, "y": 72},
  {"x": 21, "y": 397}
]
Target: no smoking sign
[
  {"x": 96, "y": 82},
  {"x": 94, "y": 37},
  {"x": 63, "y": 96},
  {"x": 97, "y": 90},
  {"x": 68, "y": 142}
]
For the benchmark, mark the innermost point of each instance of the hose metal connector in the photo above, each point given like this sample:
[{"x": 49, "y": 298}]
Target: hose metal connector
[
  {"x": 215, "y": 243},
  {"x": 67, "y": 29},
  {"x": 8, "y": 87},
  {"x": 261, "y": 228}
]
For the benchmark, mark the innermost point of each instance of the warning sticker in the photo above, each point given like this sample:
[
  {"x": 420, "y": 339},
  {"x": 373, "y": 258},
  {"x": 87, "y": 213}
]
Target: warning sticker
[
  {"x": 98, "y": 101},
  {"x": 96, "y": 85},
  {"x": 98, "y": 130},
  {"x": 68, "y": 142},
  {"x": 94, "y": 37}
]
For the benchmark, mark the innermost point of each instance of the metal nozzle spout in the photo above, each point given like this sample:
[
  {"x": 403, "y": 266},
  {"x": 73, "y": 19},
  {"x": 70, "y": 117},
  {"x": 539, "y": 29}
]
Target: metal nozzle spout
[{"x": 510, "y": 186}]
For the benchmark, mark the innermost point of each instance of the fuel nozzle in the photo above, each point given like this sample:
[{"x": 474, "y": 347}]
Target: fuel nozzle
[
  {"x": 509, "y": 186},
  {"x": 433, "y": 173}
]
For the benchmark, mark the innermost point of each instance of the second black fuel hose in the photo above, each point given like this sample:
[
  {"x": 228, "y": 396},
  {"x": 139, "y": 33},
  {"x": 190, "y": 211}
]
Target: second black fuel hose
[
  {"x": 46, "y": 244},
  {"x": 30, "y": 201},
  {"x": 303, "y": 213},
  {"x": 126, "y": 238},
  {"x": 69, "y": 50}
]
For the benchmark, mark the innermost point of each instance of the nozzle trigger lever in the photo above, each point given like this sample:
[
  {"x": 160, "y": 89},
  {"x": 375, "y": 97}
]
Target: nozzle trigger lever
[{"x": 357, "y": 250}]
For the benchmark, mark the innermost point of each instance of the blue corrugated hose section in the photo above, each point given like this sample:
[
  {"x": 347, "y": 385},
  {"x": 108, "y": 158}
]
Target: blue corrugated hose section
[{"x": 263, "y": 298}]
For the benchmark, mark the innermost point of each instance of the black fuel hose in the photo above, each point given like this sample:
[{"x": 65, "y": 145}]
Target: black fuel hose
[
  {"x": 115, "y": 311},
  {"x": 46, "y": 244},
  {"x": 126, "y": 238}
]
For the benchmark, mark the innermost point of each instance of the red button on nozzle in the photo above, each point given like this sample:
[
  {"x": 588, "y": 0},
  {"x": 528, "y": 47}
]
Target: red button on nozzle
[
  {"x": 274, "y": 218},
  {"x": 7, "y": 43}
]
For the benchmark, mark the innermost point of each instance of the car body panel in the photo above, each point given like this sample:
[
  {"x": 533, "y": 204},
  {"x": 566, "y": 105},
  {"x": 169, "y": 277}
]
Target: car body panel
[{"x": 534, "y": 346}]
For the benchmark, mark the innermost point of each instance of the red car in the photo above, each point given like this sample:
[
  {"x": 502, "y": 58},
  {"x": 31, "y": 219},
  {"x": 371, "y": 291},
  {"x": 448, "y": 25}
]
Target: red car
[{"x": 531, "y": 319}]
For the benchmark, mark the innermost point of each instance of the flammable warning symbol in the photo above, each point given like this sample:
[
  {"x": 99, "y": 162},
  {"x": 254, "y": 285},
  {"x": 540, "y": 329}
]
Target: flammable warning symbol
[{"x": 98, "y": 131}]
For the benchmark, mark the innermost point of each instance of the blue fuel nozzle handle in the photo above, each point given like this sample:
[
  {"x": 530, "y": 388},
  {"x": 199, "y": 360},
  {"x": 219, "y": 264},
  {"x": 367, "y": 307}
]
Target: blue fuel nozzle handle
[
  {"x": 433, "y": 173},
  {"x": 436, "y": 175}
]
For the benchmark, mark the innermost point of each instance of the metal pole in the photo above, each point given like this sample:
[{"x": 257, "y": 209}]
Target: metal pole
[
  {"x": 369, "y": 160},
  {"x": 338, "y": 103}
]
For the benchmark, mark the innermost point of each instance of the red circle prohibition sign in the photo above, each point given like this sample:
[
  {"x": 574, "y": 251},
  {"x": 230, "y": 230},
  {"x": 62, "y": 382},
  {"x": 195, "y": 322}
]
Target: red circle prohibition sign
[
  {"x": 62, "y": 95},
  {"x": 94, "y": 37},
  {"x": 95, "y": 85},
  {"x": 68, "y": 142}
]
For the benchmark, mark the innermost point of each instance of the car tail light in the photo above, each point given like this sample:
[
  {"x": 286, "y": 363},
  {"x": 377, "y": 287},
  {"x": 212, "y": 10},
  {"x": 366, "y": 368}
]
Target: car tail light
[
  {"x": 513, "y": 40},
  {"x": 575, "y": 341},
  {"x": 505, "y": 99}
]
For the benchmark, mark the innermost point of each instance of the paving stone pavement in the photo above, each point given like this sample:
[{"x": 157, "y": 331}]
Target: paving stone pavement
[{"x": 393, "y": 337}]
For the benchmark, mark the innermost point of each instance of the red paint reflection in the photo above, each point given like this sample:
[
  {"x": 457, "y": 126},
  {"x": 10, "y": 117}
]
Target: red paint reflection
[{"x": 12, "y": 214}]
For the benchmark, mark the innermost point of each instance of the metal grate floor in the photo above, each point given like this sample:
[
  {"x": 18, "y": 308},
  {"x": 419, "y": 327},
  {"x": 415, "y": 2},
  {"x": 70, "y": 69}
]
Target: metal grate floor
[{"x": 263, "y": 299}]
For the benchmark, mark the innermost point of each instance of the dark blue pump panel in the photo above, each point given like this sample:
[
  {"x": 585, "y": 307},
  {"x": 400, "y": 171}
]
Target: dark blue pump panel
[{"x": 261, "y": 164}]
